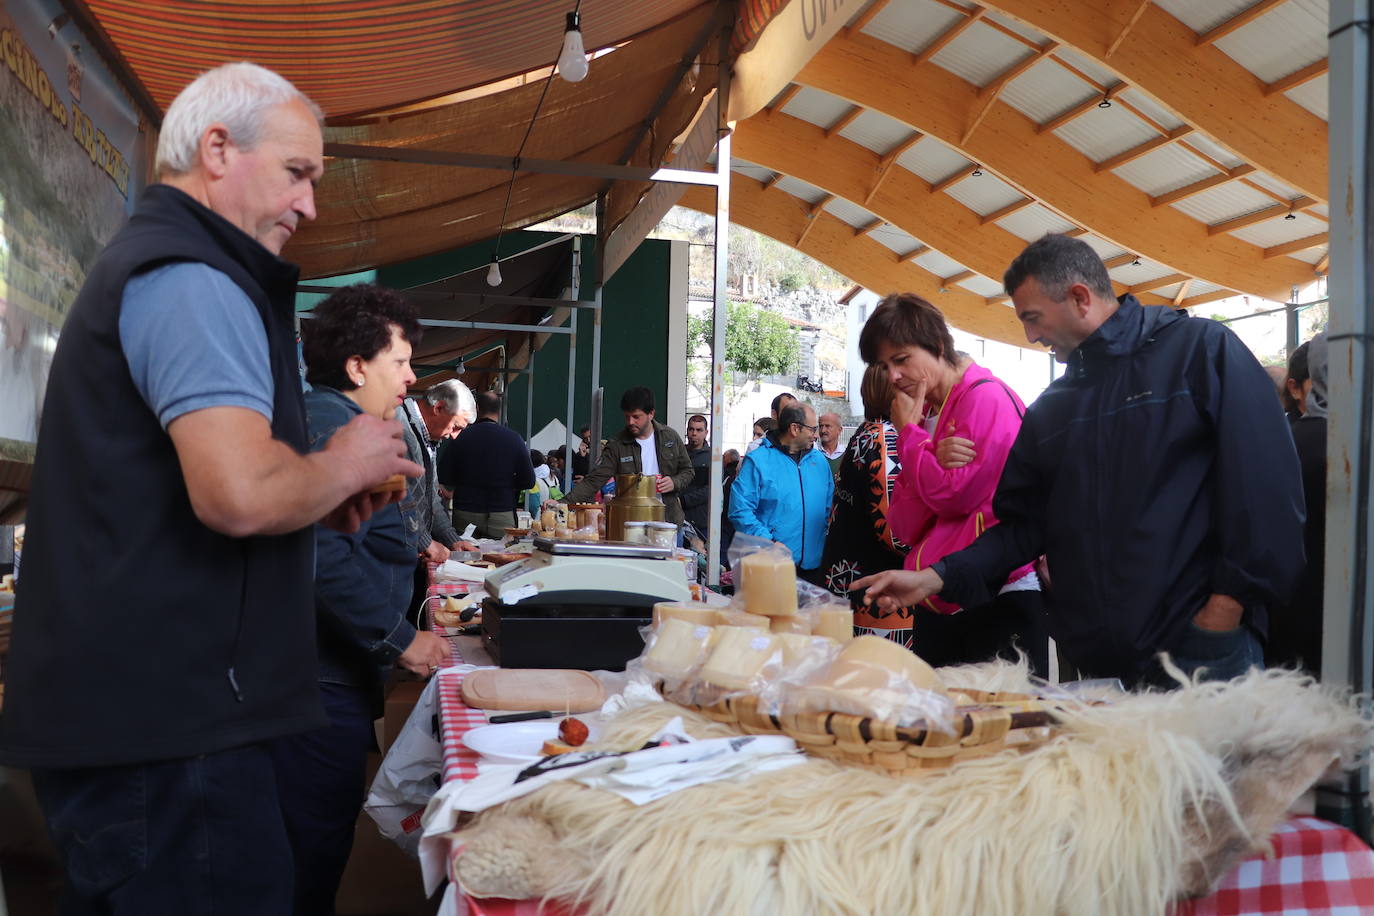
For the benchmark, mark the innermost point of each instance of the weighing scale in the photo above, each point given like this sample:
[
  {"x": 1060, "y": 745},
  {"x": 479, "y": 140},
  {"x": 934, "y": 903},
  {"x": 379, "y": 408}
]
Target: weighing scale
[{"x": 577, "y": 604}]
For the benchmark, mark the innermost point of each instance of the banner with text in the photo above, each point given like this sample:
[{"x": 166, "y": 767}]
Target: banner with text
[{"x": 73, "y": 156}]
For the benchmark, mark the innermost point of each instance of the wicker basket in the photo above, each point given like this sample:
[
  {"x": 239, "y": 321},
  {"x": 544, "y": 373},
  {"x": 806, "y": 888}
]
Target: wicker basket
[{"x": 991, "y": 722}]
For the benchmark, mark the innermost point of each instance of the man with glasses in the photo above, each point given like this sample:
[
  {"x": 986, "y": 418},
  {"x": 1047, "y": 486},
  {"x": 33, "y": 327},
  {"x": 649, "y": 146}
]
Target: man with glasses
[{"x": 784, "y": 488}]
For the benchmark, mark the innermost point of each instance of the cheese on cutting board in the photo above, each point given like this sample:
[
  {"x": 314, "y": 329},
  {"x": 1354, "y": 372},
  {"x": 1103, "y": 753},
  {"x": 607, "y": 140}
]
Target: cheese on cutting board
[
  {"x": 738, "y": 657},
  {"x": 678, "y": 648},
  {"x": 770, "y": 584}
]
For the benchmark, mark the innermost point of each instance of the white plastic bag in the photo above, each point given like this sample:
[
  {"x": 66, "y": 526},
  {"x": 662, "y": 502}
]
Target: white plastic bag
[{"x": 409, "y": 775}]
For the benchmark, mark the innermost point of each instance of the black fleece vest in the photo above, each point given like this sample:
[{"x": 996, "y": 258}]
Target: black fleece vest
[{"x": 139, "y": 633}]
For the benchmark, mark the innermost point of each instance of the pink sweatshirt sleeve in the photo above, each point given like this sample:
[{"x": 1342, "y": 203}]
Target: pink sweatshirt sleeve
[
  {"x": 985, "y": 415},
  {"x": 908, "y": 514}
]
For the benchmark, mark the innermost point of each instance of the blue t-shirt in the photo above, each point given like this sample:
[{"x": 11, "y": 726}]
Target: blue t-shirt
[{"x": 193, "y": 339}]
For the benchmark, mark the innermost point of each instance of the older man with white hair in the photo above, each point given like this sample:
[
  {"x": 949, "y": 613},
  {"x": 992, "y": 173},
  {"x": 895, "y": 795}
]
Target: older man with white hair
[
  {"x": 175, "y": 433},
  {"x": 442, "y": 412}
]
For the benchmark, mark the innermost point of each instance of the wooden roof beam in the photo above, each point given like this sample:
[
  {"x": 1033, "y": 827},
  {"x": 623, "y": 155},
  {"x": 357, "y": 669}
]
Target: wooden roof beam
[
  {"x": 773, "y": 181},
  {"x": 1259, "y": 216},
  {"x": 861, "y": 259},
  {"x": 842, "y": 167},
  {"x": 992, "y": 90},
  {"x": 931, "y": 99},
  {"x": 785, "y": 97},
  {"x": 1238, "y": 21},
  {"x": 888, "y": 162},
  {"x": 1157, "y": 283},
  {"x": 876, "y": 223},
  {"x": 1126, "y": 29},
  {"x": 1149, "y": 146},
  {"x": 844, "y": 121},
  {"x": 914, "y": 253},
  {"x": 1182, "y": 291},
  {"x": 955, "y": 279},
  {"x": 1311, "y": 241},
  {"x": 1119, "y": 260},
  {"x": 1008, "y": 210},
  {"x": 944, "y": 38},
  {"x": 1201, "y": 85},
  {"x": 1298, "y": 77},
  {"x": 1208, "y": 297},
  {"x": 1323, "y": 264},
  {"x": 1078, "y": 111},
  {"x": 951, "y": 180},
  {"x": 814, "y": 211},
  {"x": 1198, "y": 187},
  {"x": 865, "y": 17}
]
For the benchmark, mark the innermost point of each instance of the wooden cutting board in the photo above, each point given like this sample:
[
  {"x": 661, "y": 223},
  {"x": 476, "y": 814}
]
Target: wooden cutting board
[{"x": 555, "y": 689}]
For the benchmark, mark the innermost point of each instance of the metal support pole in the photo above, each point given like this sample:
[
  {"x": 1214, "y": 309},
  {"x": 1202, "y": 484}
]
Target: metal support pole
[
  {"x": 529, "y": 397},
  {"x": 1348, "y": 625},
  {"x": 1291, "y": 328},
  {"x": 597, "y": 280},
  {"x": 722, "y": 262},
  {"x": 505, "y": 390},
  {"x": 575, "y": 283}
]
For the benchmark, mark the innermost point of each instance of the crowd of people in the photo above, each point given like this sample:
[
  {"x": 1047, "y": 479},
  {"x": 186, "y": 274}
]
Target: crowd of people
[{"x": 208, "y": 743}]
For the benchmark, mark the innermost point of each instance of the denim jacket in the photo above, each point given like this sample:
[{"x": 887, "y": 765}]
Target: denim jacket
[{"x": 363, "y": 581}]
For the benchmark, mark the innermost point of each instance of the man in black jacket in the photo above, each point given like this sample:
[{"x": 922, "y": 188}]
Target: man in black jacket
[
  {"x": 1157, "y": 477},
  {"x": 175, "y": 430},
  {"x": 698, "y": 493},
  {"x": 485, "y": 468}
]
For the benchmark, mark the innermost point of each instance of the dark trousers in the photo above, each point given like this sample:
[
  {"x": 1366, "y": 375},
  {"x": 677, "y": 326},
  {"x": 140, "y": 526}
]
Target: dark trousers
[
  {"x": 322, "y": 776},
  {"x": 1010, "y": 621},
  {"x": 199, "y": 835},
  {"x": 1219, "y": 655}
]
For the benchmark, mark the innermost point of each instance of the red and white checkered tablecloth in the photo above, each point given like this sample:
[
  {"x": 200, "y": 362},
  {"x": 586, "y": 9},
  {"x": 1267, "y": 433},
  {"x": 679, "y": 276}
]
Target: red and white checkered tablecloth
[
  {"x": 1318, "y": 869},
  {"x": 455, "y": 719}
]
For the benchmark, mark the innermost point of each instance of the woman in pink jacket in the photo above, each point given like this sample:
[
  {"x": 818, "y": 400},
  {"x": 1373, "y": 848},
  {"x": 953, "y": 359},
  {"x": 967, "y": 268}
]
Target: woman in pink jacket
[{"x": 956, "y": 422}]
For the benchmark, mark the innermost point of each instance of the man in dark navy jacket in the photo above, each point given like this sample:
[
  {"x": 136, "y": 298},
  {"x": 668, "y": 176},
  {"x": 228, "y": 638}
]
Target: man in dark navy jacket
[
  {"x": 163, "y": 642},
  {"x": 1157, "y": 477}
]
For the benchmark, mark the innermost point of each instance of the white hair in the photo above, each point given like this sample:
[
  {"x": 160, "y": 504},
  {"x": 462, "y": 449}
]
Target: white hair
[
  {"x": 454, "y": 396},
  {"x": 235, "y": 95}
]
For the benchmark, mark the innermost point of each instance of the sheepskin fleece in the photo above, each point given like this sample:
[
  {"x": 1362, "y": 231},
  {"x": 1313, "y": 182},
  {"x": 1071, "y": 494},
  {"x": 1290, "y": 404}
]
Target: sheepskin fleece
[{"x": 1134, "y": 805}]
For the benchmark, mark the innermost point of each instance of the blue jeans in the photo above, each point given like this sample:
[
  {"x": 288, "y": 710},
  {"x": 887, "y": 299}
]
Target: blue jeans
[
  {"x": 322, "y": 777},
  {"x": 200, "y": 835},
  {"x": 1223, "y": 654}
]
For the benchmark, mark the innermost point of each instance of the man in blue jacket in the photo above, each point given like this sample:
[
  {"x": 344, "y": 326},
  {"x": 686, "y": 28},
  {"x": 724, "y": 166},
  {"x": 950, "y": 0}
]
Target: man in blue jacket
[
  {"x": 784, "y": 488},
  {"x": 1157, "y": 476}
]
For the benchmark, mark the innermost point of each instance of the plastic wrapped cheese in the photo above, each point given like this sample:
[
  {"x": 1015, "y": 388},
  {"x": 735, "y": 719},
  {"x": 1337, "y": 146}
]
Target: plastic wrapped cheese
[
  {"x": 797, "y": 624},
  {"x": 875, "y": 677},
  {"x": 737, "y": 659},
  {"x": 730, "y": 618},
  {"x": 868, "y": 662},
  {"x": 770, "y": 583},
  {"x": 695, "y": 612},
  {"x": 835, "y": 621},
  {"x": 678, "y": 648}
]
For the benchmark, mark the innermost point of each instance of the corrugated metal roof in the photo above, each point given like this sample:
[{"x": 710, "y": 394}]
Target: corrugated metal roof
[
  {"x": 851, "y": 213},
  {"x": 894, "y": 239},
  {"x": 820, "y": 108},
  {"x": 1311, "y": 255},
  {"x": 798, "y": 188},
  {"x": 1320, "y": 208},
  {"x": 1286, "y": 38},
  {"x": 982, "y": 285},
  {"x": 1033, "y": 222},
  {"x": 1093, "y": 69},
  {"x": 1168, "y": 292},
  {"x": 1020, "y": 28},
  {"x": 1131, "y": 273},
  {"x": 1165, "y": 169},
  {"x": 876, "y": 131},
  {"x": 1046, "y": 90},
  {"x": 984, "y": 194},
  {"x": 912, "y": 24},
  {"x": 1216, "y": 205},
  {"x": 1203, "y": 16},
  {"x": 940, "y": 264},
  {"x": 1312, "y": 96},
  {"x": 1278, "y": 230},
  {"x": 1265, "y": 180},
  {"x": 1202, "y": 288},
  {"x": 932, "y": 160},
  {"x": 1209, "y": 147},
  {"x": 1150, "y": 108},
  {"x": 1109, "y": 131},
  {"x": 980, "y": 54},
  {"x": 753, "y": 170},
  {"x": 1104, "y": 248}
]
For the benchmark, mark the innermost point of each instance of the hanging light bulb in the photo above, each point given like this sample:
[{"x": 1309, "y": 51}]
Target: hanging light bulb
[
  {"x": 572, "y": 63},
  {"x": 494, "y": 272}
]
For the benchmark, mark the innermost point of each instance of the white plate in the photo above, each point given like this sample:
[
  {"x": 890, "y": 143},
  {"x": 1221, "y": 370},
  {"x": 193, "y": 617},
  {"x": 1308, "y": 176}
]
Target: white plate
[{"x": 512, "y": 742}]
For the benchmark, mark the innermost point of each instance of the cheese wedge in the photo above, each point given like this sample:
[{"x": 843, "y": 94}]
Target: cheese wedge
[
  {"x": 694, "y": 612},
  {"x": 738, "y": 657},
  {"x": 678, "y": 649},
  {"x": 836, "y": 622}
]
